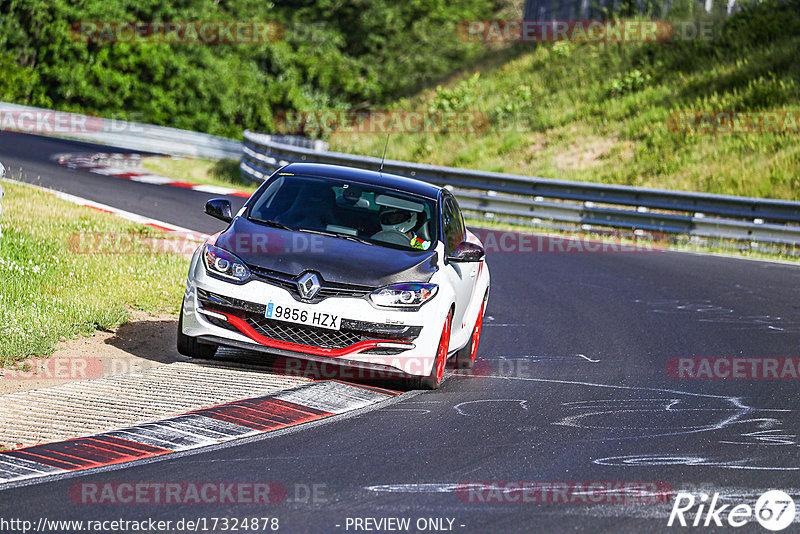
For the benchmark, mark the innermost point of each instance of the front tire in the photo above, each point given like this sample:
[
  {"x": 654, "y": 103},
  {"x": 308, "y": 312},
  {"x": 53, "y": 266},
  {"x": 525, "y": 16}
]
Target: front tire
[
  {"x": 436, "y": 376},
  {"x": 189, "y": 346}
]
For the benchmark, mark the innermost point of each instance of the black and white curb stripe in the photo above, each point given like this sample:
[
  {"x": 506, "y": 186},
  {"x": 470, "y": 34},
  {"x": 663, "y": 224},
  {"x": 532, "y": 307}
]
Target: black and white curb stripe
[{"x": 200, "y": 428}]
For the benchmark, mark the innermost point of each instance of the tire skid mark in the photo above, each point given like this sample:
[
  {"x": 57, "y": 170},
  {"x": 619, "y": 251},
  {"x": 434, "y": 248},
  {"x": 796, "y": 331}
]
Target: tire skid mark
[{"x": 737, "y": 412}]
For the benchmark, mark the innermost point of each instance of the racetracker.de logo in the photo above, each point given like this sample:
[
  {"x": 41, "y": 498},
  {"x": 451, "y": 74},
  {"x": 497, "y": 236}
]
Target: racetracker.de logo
[
  {"x": 579, "y": 31},
  {"x": 377, "y": 121},
  {"x": 55, "y": 122},
  {"x": 186, "y": 31},
  {"x": 731, "y": 368},
  {"x": 495, "y": 241},
  {"x": 379, "y": 368},
  {"x": 185, "y": 243},
  {"x": 571, "y": 492},
  {"x": 177, "y": 493},
  {"x": 56, "y": 368},
  {"x": 734, "y": 122},
  {"x": 112, "y": 243}
]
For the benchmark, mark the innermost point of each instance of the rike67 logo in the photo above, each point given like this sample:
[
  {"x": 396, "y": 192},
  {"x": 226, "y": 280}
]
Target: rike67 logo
[{"x": 774, "y": 510}]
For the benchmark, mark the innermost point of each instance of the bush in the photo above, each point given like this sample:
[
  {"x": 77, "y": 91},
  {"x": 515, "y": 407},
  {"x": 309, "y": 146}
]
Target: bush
[
  {"x": 461, "y": 97},
  {"x": 630, "y": 82},
  {"x": 342, "y": 54}
]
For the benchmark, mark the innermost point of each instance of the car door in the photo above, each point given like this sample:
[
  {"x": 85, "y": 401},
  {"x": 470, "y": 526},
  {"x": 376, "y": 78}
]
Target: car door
[{"x": 462, "y": 275}]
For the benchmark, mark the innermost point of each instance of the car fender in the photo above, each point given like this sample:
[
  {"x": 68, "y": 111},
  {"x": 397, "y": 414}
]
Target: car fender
[
  {"x": 481, "y": 293},
  {"x": 444, "y": 301}
]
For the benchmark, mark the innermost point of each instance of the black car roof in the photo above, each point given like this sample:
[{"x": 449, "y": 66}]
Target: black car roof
[{"x": 382, "y": 179}]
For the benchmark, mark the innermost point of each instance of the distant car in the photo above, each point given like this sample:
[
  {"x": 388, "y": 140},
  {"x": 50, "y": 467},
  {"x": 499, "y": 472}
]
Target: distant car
[{"x": 326, "y": 262}]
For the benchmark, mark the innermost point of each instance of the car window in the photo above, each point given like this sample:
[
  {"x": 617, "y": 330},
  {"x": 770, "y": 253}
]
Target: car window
[
  {"x": 453, "y": 225},
  {"x": 380, "y": 216},
  {"x": 460, "y": 217}
]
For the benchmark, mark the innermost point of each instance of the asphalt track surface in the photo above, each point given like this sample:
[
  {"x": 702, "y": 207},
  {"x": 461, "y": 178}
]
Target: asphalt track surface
[{"x": 572, "y": 385}]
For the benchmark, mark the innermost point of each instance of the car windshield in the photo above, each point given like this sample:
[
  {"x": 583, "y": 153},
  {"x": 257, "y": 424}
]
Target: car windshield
[{"x": 350, "y": 210}]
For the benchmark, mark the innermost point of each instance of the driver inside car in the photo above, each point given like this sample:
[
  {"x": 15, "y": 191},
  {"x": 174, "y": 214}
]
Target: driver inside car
[{"x": 398, "y": 225}]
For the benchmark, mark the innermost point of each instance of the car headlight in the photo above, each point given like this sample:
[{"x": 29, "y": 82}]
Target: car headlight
[
  {"x": 404, "y": 295},
  {"x": 222, "y": 263}
]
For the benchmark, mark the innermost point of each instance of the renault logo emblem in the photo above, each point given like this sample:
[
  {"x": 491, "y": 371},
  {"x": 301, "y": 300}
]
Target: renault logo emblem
[{"x": 308, "y": 285}]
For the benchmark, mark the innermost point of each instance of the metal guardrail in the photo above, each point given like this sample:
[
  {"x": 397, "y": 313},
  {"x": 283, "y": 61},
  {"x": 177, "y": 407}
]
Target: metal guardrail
[
  {"x": 498, "y": 196},
  {"x": 118, "y": 133},
  {"x": 532, "y": 200}
]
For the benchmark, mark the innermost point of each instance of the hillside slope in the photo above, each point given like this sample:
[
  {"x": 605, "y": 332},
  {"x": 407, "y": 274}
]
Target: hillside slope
[{"x": 599, "y": 112}]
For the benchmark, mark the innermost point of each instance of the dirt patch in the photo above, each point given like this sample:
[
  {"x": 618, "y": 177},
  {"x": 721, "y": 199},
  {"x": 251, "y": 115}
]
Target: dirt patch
[
  {"x": 538, "y": 142},
  {"x": 584, "y": 153},
  {"x": 145, "y": 341}
]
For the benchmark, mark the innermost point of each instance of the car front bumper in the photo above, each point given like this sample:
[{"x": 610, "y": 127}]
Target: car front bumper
[{"x": 400, "y": 341}]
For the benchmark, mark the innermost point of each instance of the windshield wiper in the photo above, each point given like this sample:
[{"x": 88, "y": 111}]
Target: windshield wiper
[
  {"x": 276, "y": 224},
  {"x": 273, "y": 224},
  {"x": 335, "y": 234}
]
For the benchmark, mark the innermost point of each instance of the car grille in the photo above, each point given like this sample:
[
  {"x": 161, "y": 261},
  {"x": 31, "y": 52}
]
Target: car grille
[
  {"x": 304, "y": 335},
  {"x": 351, "y": 331},
  {"x": 327, "y": 289},
  {"x": 214, "y": 300}
]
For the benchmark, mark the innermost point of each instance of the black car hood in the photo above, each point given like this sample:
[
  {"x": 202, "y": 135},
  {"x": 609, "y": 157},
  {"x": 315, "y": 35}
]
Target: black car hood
[{"x": 336, "y": 260}]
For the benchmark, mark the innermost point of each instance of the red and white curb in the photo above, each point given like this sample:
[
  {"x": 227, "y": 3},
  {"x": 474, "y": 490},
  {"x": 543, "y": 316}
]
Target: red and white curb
[
  {"x": 193, "y": 430},
  {"x": 114, "y": 165},
  {"x": 179, "y": 231}
]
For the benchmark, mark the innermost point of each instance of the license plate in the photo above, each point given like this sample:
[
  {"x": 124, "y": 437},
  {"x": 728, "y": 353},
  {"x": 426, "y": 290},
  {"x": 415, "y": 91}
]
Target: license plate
[{"x": 303, "y": 315}]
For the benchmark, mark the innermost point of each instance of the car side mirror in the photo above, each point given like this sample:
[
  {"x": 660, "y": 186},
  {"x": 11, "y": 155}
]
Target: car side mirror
[
  {"x": 220, "y": 209},
  {"x": 467, "y": 252}
]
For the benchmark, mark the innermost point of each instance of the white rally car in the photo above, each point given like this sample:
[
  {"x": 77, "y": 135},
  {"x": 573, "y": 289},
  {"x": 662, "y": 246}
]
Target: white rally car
[{"x": 329, "y": 263}]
